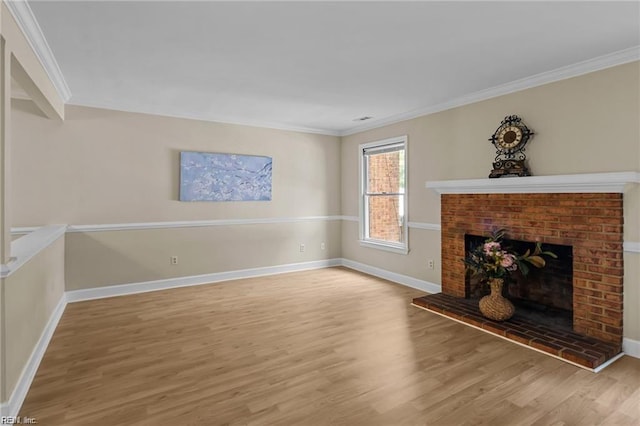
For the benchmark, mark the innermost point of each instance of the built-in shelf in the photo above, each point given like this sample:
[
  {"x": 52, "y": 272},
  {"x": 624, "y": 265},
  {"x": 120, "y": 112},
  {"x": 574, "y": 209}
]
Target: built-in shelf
[{"x": 578, "y": 183}]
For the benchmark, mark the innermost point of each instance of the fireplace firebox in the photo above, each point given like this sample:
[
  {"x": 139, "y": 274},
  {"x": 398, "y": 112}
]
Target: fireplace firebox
[{"x": 545, "y": 295}]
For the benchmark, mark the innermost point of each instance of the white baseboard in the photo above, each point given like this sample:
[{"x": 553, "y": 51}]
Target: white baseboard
[
  {"x": 631, "y": 347},
  {"x": 147, "y": 286},
  {"x": 12, "y": 407},
  {"x": 143, "y": 287},
  {"x": 405, "y": 280}
]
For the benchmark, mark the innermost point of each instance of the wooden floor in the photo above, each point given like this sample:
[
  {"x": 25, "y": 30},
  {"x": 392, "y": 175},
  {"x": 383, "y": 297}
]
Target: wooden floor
[{"x": 325, "y": 347}]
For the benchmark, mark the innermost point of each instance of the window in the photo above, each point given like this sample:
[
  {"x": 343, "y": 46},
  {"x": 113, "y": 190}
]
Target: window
[{"x": 383, "y": 201}]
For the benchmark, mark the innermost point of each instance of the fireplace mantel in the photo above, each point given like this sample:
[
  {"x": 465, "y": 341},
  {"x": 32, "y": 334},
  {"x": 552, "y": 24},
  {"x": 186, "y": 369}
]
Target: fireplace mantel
[{"x": 577, "y": 183}]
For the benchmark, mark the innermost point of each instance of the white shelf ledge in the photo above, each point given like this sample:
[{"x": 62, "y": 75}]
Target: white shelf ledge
[
  {"x": 578, "y": 183},
  {"x": 25, "y": 248}
]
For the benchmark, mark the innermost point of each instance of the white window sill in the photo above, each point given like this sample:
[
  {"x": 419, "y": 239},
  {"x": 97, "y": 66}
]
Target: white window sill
[{"x": 393, "y": 248}]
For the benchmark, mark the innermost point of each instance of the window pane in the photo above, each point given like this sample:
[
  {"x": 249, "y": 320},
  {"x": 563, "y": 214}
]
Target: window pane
[
  {"x": 385, "y": 172},
  {"x": 385, "y": 217}
]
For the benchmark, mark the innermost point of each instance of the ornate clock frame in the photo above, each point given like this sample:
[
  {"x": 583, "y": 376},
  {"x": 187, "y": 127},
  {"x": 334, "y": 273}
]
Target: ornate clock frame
[{"x": 510, "y": 139}]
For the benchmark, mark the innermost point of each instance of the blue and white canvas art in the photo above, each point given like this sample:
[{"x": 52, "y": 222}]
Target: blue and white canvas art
[{"x": 224, "y": 177}]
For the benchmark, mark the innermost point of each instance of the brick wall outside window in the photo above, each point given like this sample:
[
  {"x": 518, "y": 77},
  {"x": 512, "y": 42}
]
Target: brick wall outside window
[{"x": 384, "y": 176}]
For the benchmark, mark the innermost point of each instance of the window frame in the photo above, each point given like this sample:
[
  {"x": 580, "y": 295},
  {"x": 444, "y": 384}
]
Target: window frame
[{"x": 363, "y": 216}]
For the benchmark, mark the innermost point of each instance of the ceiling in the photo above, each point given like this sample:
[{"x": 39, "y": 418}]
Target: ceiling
[{"x": 317, "y": 66}]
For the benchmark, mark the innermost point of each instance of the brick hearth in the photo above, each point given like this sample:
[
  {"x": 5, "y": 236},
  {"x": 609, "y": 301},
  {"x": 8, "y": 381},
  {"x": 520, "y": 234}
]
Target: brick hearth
[
  {"x": 592, "y": 223},
  {"x": 573, "y": 347}
]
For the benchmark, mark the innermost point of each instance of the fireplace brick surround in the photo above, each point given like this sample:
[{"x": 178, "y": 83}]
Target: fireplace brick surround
[
  {"x": 584, "y": 211},
  {"x": 590, "y": 222}
]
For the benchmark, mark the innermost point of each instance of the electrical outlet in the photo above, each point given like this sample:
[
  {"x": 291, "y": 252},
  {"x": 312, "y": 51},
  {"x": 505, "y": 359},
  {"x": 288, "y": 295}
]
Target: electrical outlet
[
  {"x": 322, "y": 246},
  {"x": 174, "y": 260},
  {"x": 430, "y": 264},
  {"x": 301, "y": 248}
]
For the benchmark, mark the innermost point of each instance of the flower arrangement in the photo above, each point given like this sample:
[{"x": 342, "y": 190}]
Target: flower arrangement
[{"x": 492, "y": 260}]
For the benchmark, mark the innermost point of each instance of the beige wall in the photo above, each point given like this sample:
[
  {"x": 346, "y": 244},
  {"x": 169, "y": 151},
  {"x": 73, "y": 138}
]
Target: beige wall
[
  {"x": 585, "y": 124},
  {"x": 98, "y": 259},
  {"x": 103, "y": 166},
  {"x": 106, "y": 167},
  {"x": 423, "y": 245},
  {"x": 31, "y": 295}
]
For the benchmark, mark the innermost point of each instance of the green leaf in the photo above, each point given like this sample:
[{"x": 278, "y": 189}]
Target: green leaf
[
  {"x": 498, "y": 234},
  {"x": 536, "y": 261}
]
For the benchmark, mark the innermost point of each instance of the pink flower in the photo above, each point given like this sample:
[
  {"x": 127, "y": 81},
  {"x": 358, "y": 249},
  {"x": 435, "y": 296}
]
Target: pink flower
[
  {"x": 490, "y": 247},
  {"x": 509, "y": 262}
]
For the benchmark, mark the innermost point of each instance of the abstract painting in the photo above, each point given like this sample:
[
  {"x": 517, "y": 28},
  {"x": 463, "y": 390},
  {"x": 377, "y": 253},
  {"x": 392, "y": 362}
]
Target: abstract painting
[{"x": 224, "y": 177}]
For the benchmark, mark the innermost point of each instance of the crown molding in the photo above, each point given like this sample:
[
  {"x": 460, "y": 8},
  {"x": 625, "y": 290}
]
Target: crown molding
[
  {"x": 591, "y": 65},
  {"x": 222, "y": 120},
  {"x": 578, "y": 183},
  {"x": 27, "y": 22}
]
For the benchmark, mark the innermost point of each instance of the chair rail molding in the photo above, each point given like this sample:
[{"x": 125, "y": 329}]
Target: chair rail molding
[{"x": 25, "y": 248}]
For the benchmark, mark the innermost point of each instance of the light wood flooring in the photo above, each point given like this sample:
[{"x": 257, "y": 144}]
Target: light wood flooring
[{"x": 324, "y": 347}]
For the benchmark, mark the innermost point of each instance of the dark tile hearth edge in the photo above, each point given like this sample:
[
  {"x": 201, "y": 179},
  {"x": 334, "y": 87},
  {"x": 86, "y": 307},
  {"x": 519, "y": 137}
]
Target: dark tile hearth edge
[{"x": 582, "y": 351}]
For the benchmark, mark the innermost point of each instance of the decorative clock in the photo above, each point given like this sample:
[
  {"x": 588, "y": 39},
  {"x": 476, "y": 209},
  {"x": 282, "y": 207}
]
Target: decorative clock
[{"x": 510, "y": 139}]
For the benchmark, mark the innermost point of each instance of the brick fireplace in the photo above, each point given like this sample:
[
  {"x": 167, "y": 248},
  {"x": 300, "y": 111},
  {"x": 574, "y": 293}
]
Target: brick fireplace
[
  {"x": 591, "y": 223},
  {"x": 585, "y": 213}
]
